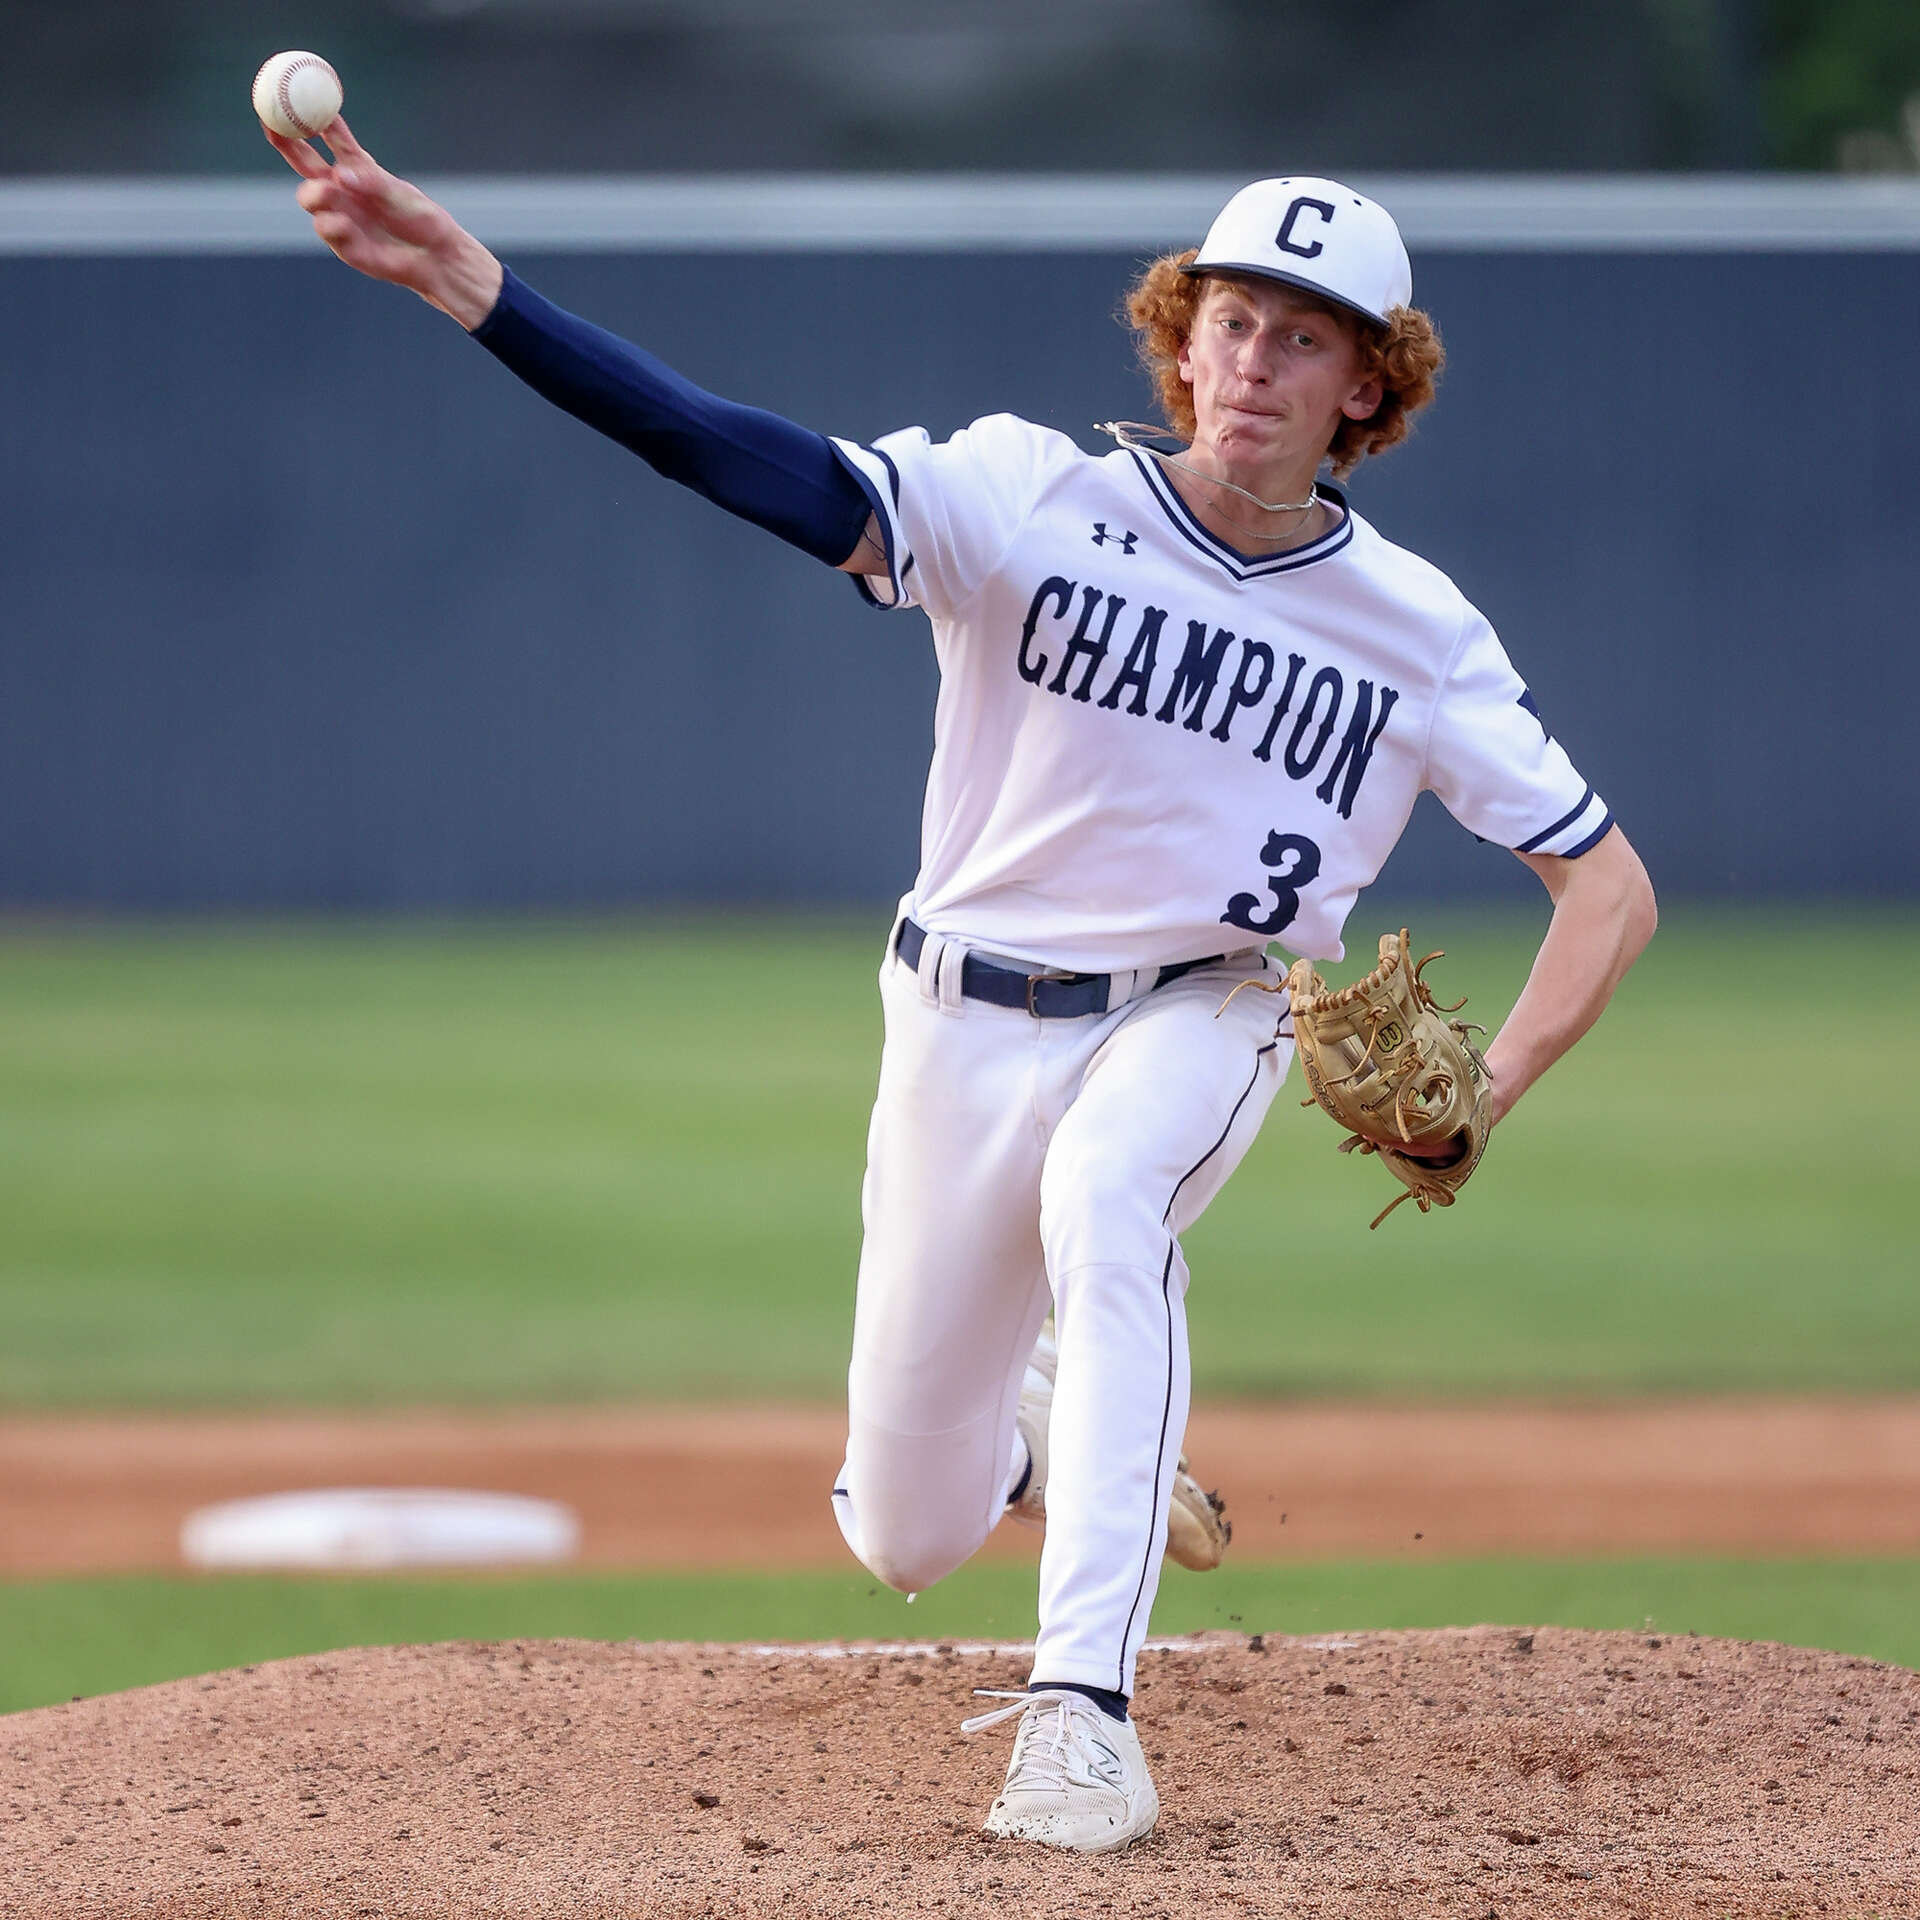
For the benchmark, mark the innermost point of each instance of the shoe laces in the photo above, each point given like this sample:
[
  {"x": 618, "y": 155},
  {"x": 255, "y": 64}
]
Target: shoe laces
[{"x": 1051, "y": 1749}]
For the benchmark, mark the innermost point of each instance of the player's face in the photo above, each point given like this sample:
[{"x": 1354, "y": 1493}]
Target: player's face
[{"x": 1272, "y": 372}]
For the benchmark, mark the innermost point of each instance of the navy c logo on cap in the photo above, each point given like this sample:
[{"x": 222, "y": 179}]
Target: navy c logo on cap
[{"x": 1284, "y": 238}]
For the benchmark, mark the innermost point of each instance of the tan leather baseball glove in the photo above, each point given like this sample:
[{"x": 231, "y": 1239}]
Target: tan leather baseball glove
[{"x": 1383, "y": 1059}]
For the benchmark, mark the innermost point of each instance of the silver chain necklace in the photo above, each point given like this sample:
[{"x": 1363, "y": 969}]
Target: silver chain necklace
[{"x": 1128, "y": 433}]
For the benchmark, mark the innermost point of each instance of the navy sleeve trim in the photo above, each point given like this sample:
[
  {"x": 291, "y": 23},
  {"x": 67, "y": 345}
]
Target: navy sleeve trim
[
  {"x": 758, "y": 465},
  {"x": 893, "y": 487},
  {"x": 1592, "y": 840},
  {"x": 881, "y": 512},
  {"x": 1566, "y": 820}
]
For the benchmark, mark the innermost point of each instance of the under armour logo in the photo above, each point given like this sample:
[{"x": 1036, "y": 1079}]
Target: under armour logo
[{"x": 1124, "y": 541}]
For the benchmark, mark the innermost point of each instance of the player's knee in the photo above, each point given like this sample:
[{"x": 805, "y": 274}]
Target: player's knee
[
  {"x": 911, "y": 1575},
  {"x": 912, "y": 1558},
  {"x": 901, "y": 1532}
]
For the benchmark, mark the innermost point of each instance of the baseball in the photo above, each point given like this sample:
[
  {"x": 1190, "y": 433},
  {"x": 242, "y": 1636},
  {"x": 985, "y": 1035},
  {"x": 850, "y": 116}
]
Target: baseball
[{"x": 296, "y": 94}]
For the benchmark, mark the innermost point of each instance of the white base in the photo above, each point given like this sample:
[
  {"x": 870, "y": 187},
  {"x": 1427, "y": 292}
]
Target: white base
[{"x": 369, "y": 1528}]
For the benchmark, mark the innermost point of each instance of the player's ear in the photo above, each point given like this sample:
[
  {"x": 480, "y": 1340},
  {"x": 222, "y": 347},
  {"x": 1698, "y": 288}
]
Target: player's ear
[
  {"x": 1183, "y": 360},
  {"x": 1364, "y": 401}
]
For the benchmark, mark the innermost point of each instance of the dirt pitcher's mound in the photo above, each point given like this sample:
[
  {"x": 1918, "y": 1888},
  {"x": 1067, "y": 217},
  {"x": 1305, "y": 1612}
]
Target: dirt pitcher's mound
[{"x": 1471, "y": 1772}]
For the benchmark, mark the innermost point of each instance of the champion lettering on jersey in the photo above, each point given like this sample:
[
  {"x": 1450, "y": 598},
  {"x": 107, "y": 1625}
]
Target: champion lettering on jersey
[{"x": 1147, "y": 742}]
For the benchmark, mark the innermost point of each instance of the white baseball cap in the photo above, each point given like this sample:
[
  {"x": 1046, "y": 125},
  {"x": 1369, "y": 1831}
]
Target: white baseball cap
[{"x": 1315, "y": 234}]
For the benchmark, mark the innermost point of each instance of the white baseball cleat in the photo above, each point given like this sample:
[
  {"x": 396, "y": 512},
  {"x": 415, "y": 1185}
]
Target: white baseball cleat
[
  {"x": 1077, "y": 1778},
  {"x": 1197, "y": 1525}
]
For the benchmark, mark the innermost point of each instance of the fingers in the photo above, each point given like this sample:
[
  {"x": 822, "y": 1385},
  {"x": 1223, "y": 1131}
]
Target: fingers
[
  {"x": 386, "y": 194},
  {"x": 359, "y": 171},
  {"x": 339, "y": 136},
  {"x": 321, "y": 194},
  {"x": 341, "y": 218},
  {"x": 340, "y": 232},
  {"x": 376, "y": 223},
  {"x": 298, "y": 155}
]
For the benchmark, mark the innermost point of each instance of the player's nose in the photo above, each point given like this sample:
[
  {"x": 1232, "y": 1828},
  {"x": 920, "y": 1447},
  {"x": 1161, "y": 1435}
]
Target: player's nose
[{"x": 1254, "y": 359}]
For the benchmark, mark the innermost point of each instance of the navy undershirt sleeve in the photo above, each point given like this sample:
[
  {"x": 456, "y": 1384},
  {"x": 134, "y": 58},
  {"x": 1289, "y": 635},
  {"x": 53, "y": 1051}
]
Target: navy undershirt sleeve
[{"x": 764, "y": 468}]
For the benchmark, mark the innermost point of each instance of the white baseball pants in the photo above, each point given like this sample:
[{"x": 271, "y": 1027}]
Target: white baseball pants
[{"x": 1012, "y": 1163}]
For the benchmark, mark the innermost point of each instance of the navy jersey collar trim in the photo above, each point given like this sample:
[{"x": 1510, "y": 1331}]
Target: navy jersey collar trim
[{"x": 1244, "y": 566}]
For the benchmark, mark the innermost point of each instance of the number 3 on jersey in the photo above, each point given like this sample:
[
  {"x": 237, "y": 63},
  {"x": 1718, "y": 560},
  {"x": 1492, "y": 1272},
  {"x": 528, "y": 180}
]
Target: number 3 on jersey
[{"x": 1293, "y": 862}]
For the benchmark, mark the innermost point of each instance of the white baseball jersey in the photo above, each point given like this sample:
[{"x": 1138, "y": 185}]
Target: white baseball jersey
[{"x": 1150, "y": 747}]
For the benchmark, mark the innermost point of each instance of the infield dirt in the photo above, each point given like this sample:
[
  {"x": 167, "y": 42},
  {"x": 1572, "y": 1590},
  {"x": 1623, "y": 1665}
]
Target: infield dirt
[
  {"x": 714, "y": 1487},
  {"x": 1471, "y": 1772}
]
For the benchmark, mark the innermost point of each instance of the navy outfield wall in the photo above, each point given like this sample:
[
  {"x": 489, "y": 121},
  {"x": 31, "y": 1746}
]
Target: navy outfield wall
[{"x": 309, "y": 605}]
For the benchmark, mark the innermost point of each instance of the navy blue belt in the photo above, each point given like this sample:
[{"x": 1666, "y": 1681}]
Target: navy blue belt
[{"x": 1047, "y": 996}]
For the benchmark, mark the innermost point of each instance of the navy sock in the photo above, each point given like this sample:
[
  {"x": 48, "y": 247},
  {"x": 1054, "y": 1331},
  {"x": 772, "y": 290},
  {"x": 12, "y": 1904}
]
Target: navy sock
[{"x": 1113, "y": 1705}]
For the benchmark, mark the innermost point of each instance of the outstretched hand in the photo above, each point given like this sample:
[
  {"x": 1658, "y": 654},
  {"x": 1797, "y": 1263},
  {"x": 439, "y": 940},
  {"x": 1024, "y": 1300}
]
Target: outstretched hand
[{"x": 388, "y": 229}]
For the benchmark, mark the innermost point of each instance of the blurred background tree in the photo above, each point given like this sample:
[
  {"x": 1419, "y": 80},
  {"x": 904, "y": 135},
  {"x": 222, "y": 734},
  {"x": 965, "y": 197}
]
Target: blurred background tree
[{"x": 1843, "y": 84}]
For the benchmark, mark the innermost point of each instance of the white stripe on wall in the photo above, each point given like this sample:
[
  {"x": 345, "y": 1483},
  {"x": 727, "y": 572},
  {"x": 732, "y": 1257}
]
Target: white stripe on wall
[{"x": 889, "y": 213}]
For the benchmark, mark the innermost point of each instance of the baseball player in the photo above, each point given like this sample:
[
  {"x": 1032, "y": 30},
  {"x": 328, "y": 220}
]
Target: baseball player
[{"x": 1188, "y": 698}]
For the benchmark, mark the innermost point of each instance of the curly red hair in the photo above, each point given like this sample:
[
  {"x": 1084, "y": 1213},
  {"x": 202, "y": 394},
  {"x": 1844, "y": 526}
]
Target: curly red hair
[{"x": 1405, "y": 356}]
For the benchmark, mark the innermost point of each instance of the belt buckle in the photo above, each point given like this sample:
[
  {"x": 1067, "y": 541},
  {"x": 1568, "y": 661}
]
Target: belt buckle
[{"x": 1034, "y": 979}]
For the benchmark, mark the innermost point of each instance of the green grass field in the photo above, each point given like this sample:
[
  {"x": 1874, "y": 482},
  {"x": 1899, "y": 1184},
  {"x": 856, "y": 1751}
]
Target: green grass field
[
  {"x": 549, "y": 1163},
  {"x": 62, "y": 1637},
  {"x": 378, "y": 1165}
]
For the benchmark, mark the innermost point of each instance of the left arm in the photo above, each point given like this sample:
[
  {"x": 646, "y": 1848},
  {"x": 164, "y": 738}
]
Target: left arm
[{"x": 1603, "y": 917}]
